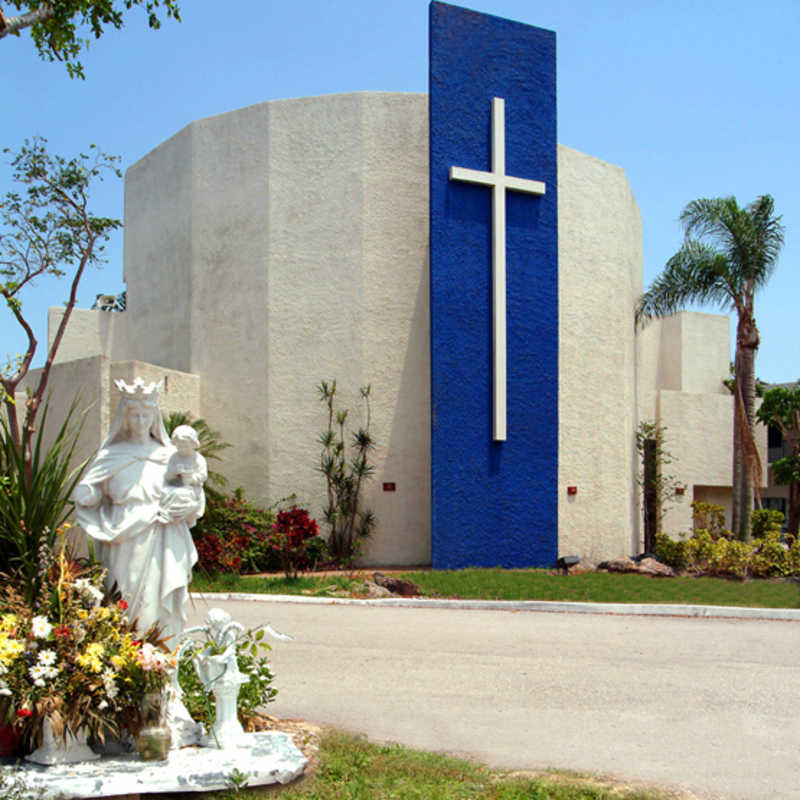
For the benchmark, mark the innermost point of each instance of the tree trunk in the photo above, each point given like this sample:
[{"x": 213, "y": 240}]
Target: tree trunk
[
  {"x": 744, "y": 411},
  {"x": 793, "y": 510}
]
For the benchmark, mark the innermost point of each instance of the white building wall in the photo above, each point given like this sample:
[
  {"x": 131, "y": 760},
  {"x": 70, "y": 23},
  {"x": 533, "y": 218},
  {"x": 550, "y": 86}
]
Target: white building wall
[
  {"x": 89, "y": 332},
  {"x": 600, "y": 261},
  {"x": 300, "y": 244},
  {"x": 158, "y": 255},
  {"x": 684, "y": 359}
]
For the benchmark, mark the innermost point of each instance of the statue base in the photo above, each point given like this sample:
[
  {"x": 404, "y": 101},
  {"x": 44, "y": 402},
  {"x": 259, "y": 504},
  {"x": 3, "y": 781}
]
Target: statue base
[{"x": 263, "y": 758}]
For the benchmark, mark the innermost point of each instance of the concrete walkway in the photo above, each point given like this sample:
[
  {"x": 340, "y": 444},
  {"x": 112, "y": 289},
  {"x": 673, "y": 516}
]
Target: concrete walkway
[{"x": 702, "y": 703}]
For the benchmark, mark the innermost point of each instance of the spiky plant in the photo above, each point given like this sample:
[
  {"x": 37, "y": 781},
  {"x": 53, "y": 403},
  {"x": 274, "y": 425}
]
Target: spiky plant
[
  {"x": 35, "y": 494},
  {"x": 349, "y": 525}
]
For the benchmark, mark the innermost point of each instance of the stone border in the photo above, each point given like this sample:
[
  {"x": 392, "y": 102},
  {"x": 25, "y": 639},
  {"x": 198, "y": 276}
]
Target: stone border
[{"x": 630, "y": 609}]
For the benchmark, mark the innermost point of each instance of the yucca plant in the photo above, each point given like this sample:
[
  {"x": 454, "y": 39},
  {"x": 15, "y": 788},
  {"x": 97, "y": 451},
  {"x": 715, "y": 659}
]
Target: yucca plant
[
  {"x": 35, "y": 494},
  {"x": 349, "y": 525},
  {"x": 211, "y": 443}
]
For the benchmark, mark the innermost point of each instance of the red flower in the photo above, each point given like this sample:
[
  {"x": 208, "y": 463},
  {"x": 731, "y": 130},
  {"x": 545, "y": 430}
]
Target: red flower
[
  {"x": 61, "y": 630},
  {"x": 137, "y": 642},
  {"x": 123, "y": 605},
  {"x": 24, "y": 712}
]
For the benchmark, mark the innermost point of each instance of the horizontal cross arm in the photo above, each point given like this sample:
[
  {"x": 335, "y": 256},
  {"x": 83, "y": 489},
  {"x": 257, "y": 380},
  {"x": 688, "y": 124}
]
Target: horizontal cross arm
[
  {"x": 524, "y": 185},
  {"x": 473, "y": 176}
]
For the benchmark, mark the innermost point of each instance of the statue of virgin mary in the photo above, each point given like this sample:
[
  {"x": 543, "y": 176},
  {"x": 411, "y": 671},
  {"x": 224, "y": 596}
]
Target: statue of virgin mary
[{"x": 139, "y": 522}]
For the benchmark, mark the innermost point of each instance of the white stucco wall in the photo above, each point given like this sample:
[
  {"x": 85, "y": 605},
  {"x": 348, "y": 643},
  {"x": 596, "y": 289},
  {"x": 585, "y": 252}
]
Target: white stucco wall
[
  {"x": 158, "y": 255},
  {"x": 294, "y": 237},
  {"x": 89, "y": 332},
  {"x": 84, "y": 381},
  {"x": 683, "y": 360},
  {"x": 90, "y": 382},
  {"x": 600, "y": 261}
]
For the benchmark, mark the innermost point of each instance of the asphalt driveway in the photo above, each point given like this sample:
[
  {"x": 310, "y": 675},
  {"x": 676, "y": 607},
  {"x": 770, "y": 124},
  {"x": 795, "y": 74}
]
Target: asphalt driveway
[{"x": 709, "y": 705}]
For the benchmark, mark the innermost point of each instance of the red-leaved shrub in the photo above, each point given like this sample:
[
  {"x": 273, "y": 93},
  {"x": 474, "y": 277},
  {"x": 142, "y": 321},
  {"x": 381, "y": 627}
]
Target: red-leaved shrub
[{"x": 291, "y": 533}]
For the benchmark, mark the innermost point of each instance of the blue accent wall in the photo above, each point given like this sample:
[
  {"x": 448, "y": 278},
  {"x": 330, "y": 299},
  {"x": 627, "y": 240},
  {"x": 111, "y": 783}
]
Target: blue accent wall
[{"x": 493, "y": 503}]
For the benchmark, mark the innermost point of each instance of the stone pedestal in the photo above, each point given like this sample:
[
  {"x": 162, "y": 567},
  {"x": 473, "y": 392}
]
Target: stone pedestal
[{"x": 264, "y": 758}]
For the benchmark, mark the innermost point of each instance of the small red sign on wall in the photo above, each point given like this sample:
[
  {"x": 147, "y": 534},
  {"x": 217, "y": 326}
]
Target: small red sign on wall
[
  {"x": 572, "y": 490},
  {"x": 390, "y": 487}
]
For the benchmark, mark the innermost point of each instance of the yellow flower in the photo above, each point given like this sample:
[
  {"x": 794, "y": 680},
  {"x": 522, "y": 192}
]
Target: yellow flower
[
  {"x": 8, "y": 622},
  {"x": 9, "y": 649},
  {"x": 101, "y": 612},
  {"x": 83, "y": 613},
  {"x": 118, "y": 662},
  {"x": 91, "y": 657}
]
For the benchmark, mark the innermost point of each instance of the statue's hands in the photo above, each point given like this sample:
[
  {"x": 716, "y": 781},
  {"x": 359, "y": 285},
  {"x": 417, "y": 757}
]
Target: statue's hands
[
  {"x": 86, "y": 495},
  {"x": 177, "y": 505}
]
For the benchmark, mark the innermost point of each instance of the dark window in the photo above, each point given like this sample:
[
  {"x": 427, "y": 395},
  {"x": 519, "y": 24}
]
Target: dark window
[
  {"x": 774, "y": 504},
  {"x": 774, "y": 436}
]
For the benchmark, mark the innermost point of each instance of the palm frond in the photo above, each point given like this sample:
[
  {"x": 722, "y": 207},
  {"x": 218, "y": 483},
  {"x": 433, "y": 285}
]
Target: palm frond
[
  {"x": 695, "y": 274},
  {"x": 727, "y": 254}
]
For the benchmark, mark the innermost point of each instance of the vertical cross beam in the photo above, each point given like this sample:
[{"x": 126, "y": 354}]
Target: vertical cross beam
[{"x": 499, "y": 182}]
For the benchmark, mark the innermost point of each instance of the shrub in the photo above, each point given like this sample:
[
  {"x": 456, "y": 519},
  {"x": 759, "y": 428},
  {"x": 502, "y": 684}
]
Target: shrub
[
  {"x": 35, "y": 495},
  {"x": 234, "y": 536},
  {"x": 709, "y": 517},
  {"x": 729, "y": 557},
  {"x": 290, "y": 538},
  {"x": 700, "y": 549},
  {"x": 251, "y": 657},
  {"x": 770, "y": 557},
  {"x": 672, "y": 552},
  {"x": 764, "y": 521},
  {"x": 716, "y": 552},
  {"x": 349, "y": 524}
]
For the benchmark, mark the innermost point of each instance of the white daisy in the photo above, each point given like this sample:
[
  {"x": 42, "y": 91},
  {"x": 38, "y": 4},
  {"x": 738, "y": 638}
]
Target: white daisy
[
  {"x": 47, "y": 658},
  {"x": 86, "y": 588},
  {"x": 40, "y": 627}
]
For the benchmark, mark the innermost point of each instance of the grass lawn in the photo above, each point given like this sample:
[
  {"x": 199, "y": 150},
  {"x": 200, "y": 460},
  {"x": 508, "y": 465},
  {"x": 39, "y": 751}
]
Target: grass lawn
[
  {"x": 352, "y": 769},
  {"x": 535, "y": 584}
]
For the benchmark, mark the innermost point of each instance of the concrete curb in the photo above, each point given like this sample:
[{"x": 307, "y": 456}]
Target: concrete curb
[{"x": 630, "y": 609}]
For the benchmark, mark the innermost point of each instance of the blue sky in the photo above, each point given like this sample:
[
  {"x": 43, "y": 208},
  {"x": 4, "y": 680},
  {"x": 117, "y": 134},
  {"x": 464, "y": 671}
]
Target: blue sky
[{"x": 691, "y": 99}]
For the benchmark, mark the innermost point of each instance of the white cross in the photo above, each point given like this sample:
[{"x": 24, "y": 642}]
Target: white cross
[{"x": 499, "y": 182}]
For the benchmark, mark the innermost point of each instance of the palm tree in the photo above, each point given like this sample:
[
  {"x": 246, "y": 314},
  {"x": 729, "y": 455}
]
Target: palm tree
[{"x": 728, "y": 253}]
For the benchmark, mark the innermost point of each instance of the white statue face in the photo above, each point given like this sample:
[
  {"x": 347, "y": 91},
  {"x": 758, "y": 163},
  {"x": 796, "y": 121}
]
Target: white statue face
[
  {"x": 139, "y": 418},
  {"x": 185, "y": 447}
]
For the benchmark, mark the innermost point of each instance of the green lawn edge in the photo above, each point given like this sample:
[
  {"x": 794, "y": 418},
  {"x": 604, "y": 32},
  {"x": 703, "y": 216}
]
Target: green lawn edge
[
  {"x": 352, "y": 768},
  {"x": 532, "y": 584}
]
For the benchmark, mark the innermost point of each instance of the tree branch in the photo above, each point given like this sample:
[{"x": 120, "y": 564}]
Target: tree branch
[
  {"x": 22, "y": 371},
  {"x": 15, "y": 24},
  {"x": 35, "y": 401}
]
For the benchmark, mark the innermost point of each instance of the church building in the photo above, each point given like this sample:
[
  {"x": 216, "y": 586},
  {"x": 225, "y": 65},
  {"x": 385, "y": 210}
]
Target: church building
[{"x": 445, "y": 250}]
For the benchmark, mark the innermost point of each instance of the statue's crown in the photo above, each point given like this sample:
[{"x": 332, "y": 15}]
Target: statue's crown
[{"x": 139, "y": 390}]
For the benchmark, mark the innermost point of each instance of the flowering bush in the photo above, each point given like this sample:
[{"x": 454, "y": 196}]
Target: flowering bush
[
  {"x": 74, "y": 657},
  {"x": 233, "y": 536},
  {"x": 290, "y": 537}
]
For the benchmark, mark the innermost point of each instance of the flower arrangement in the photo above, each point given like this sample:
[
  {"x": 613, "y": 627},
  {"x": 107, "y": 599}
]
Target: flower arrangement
[{"x": 74, "y": 658}]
